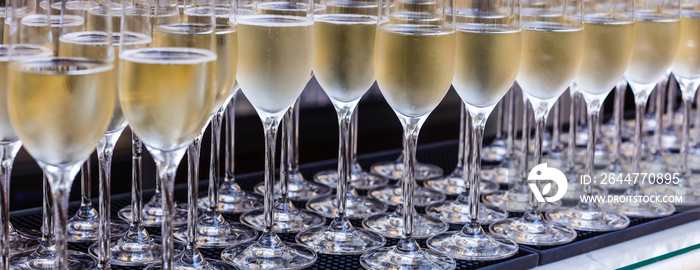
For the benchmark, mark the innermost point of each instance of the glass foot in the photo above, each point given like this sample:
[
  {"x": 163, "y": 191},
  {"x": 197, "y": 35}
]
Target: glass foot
[
  {"x": 86, "y": 230},
  {"x": 514, "y": 201},
  {"x": 390, "y": 224},
  {"x": 591, "y": 220},
  {"x": 192, "y": 259},
  {"x": 356, "y": 206},
  {"x": 136, "y": 251},
  {"x": 213, "y": 231},
  {"x": 391, "y": 195},
  {"x": 359, "y": 179},
  {"x": 457, "y": 212},
  {"x": 153, "y": 215},
  {"x": 647, "y": 209},
  {"x": 533, "y": 229},
  {"x": 394, "y": 258},
  {"x": 287, "y": 218},
  {"x": 493, "y": 153},
  {"x": 472, "y": 243},
  {"x": 36, "y": 261},
  {"x": 232, "y": 200},
  {"x": 340, "y": 238},
  {"x": 393, "y": 170},
  {"x": 499, "y": 175},
  {"x": 269, "y": 252},
  {"x": 454, "y": 184},
  {"x": 22, "y": 242},
  {"x": 299, "y": 189}
]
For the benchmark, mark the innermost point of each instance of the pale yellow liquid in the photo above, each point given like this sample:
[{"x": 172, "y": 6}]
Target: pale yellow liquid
[
  {"x": 655, "y": 44},
  {"x": 551, "y": 56},
  {"x": 226, "y": 46},
  {"x": 35, "y": 29},
  {"x": 97, "y": 21},
  {"x": 276, "y": 60},
  {"x": 60, "y": 107},
  {"x": 414, "y": 66},
  {"x": 607, "y": 50},
  {"x": 344, "y": 54},
  {"x": 686, "y": 65},
  {"x": 166, "y": 94},
  {"x": 487, "y": 62}
]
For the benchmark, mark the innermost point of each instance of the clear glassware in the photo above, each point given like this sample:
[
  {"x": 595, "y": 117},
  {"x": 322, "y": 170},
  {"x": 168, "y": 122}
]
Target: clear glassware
[
  {"x": 501, "y": 174},
  {"x": 279, "y": 33},
  {"x": 654, "y": 21},
  {"x": 392, "y": 169},
  {"x": 298, "y": 188},
  {"x": 496, "y": 151},
  {"x": 61, "y": 128},
  {"x": 137, "y": 247},
  {"x": 485, "y": 46},
  {"x": 152, "y": 211},
  {"x": 341, "y": 32},
  {"x": 612, "y": 21},
  {"x": 551, "y": 28},
  {"x": 454, "y": 183},
  {"x": 686, "y": 71},
  {"x": 414, "y": 63},
  {"x": 287, "y": 218},
  {"x": 176, "y": 108},
  {"x": 232, "y": 199},
  {"x": 359, "y": 179},
  {"x": 44, "y": 256}
]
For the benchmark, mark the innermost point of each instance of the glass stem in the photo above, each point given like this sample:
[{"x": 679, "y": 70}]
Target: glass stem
[
  {"x": 286, "y": 154},
  {"x": 659, "y": 128},
  {"x": 593, "y": 115},
  {"x": 294, "y": 138},
  {"x": 499, "y": 120},
  {"x": 696, "y": 142},
  {"x": 510, "y": 126},
  {"x": 571, "y": 157},
  {"x": 229, "y": 140},
  {"x": 105, "y": 152},
  {"x": 688, "y": 95},
  {"x": 540, "y": 112},
  {"x": 525, "y": 140},
  {"x": 167, "y": 162},
  {"x": 461, "y": 141},
  {"x": 47, "y": 236},
  {"x": 640, "y": 104},
  {"x": 556, "y": 128},
  {"x": 61, "y": 179},
  {"x": 85, "y": 187},
  {"x": 618, "y": 117},
  {"x": 193, "y": 154},
  {"x": 8, "y": 151},
  {"x": 344, "y": 161},
  {"x": 214, "y": 161},
  {"x": 411, "y": 127},
  {"x": 271, "y": 125},
  {"x": 353, "y": 137},
  {"x": 136, "y": 184},
  {"x": 477, "y": 138},
  {"x": 670, "y": 103}
]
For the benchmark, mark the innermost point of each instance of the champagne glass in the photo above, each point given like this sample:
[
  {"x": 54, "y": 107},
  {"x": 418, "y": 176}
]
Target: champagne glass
[
  {"x": 168, "y": 112},
  {"x": 152, "y": 211},
  {"x": 686, "y": 69},
  {"x": 277, "y": 38},
  {"x": 454, "y": 183},
  {"x": 44, "y": 256},
  {"x": 392, "y": 169},
  {"x": 232, "y": 199},
  {"x": 359, "y": 179},
  {"x": 608, "y": 36},
  {"x": 52, "y": 100},
  {"x": 296, "y": 187},
  {"x": 343, "y": 65},
  {"x": 503, "y": 173},
  {"x": 287, "y": 218},
  {"x": 212, "y": 229},
  {"x": 488, "y": 54},
  {"x": 654, "y": 21},
  {"x": 414, "y": 63},
  {"x": 495, "y": 152},
  {"x": 552, "y": 37}
]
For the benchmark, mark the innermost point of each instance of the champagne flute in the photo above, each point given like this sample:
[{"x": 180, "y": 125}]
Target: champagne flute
[
  {"x": 287, "y": 218},
  {"x": 608, "y": 36},
  {"x": 656, "y": 39},
  {"x": 52, "y": 101},
  {"x": 414, "y": 63},
  {"x": 277, "y": 37},
  {"x": 44, "y": 256},
  {"x": 343, "y": 66},
  {"x": 552, "y": 52},
  {"x": 686, "y": 69},
  {"x": 488, "y": 54},
  {"x": 359, "y": 179},
  {"x": 454, "y": 183},
  {"x": 168, "y": 112}
]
